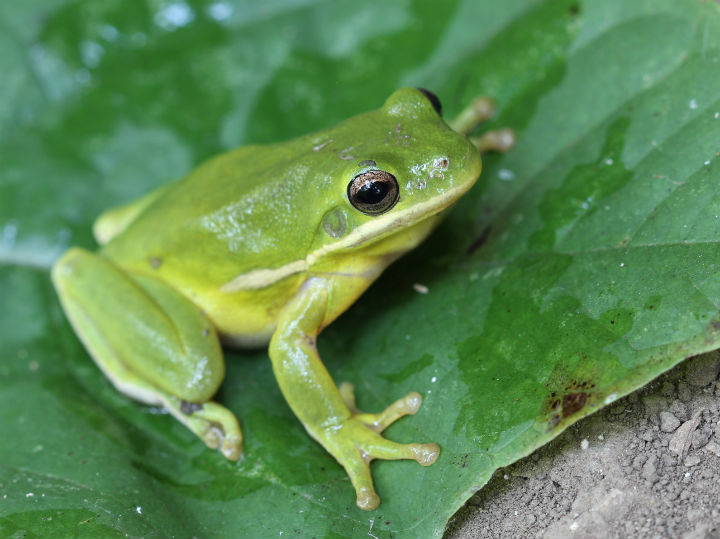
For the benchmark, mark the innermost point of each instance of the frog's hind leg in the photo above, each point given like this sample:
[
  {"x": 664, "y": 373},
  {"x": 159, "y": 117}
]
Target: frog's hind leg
[
  {"x": 152, "y": 343},
  {"x": 499, "y": 140},
  {"x": 480, "y": 110}
]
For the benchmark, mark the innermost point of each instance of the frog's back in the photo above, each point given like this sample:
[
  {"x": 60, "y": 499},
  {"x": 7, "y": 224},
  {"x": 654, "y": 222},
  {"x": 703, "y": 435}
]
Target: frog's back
[
  {"x": 236, "y": 208},
  {"x": 231, "y": 216}
]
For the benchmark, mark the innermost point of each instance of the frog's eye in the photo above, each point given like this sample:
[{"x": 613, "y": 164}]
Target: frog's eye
[
  {"x": 373, "y": 192},
  {"x": 434, "y": 101}
]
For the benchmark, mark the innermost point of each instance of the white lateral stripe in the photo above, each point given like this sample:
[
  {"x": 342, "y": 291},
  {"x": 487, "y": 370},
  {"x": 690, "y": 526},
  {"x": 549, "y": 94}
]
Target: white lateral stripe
[{"x": 261, "y": 278}]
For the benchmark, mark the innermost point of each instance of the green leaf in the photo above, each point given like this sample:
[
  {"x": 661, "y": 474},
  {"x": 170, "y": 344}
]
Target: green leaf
[{"x": 581, "y": 266}]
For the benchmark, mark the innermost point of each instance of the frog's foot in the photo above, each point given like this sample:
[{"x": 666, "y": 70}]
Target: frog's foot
[
  {"x": 500, "y": 140},
  {"x": 212, "y": 423},
  {"x": 480, "y": 110},
  {"x": 357, "y": 441}
]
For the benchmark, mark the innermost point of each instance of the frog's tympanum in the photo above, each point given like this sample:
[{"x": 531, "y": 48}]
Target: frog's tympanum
[{"x": 269, "y": 244}]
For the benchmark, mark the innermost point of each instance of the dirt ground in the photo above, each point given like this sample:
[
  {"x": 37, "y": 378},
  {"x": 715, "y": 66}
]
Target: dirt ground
[{"x": 646, "y": 467}]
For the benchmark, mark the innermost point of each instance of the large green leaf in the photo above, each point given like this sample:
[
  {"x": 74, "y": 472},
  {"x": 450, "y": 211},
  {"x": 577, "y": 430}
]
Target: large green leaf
[{"x": 581, "y": 266}]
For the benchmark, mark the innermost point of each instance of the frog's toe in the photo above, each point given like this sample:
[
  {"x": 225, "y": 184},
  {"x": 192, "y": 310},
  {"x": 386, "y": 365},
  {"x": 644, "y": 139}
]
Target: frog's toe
[
  {"x": 215, "y": 425},
  {"x": 426, "y": 454},
  {"x": 224, "y": 422},
  {"x": 408, "y": 405},
  {"x": 231, "y": 448},
  {"x": 480, "y": 109},
  {"x": 500, "y": 140},
  {"x": 210, "y": 434},
  {"x": 359, "y": 472},
  {"x": 347, "y": 392},
  {"x": 368, "y": 500},
  {"x": 423, "y": 454}
]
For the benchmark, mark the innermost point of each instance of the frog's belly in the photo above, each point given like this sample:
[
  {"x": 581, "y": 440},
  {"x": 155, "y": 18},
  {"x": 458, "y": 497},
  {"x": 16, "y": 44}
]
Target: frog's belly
[
  {"x": 246, "y": 341},
  {"x": 246, "y": 318}
]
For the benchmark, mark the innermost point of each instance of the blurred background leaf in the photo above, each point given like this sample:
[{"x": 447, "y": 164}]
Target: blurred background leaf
[{"x": 581, "y": 266}]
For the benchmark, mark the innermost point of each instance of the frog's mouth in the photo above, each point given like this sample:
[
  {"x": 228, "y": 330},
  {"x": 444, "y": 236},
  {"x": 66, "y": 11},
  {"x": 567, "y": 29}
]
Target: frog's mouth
[{"x": 373, "y": 231}]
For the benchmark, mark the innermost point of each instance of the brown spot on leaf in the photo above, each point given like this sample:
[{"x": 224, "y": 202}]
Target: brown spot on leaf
[
  {"x": 573, "y": 402},
  {"x": 155, "y": 262}
]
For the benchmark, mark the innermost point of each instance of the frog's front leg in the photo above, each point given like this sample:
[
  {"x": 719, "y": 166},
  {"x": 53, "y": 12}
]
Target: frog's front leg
[
  {"x": 329, "y": 414},
  {"x": 150, "y": 341}
]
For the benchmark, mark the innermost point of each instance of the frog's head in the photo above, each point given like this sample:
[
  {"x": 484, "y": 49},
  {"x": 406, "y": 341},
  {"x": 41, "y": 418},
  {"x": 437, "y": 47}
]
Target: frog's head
[{"x": 399, "y": 167}]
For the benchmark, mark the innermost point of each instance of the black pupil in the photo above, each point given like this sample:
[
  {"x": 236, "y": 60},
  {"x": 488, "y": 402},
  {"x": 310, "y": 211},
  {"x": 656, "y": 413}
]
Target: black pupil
[{"x": 372, "y": 192}]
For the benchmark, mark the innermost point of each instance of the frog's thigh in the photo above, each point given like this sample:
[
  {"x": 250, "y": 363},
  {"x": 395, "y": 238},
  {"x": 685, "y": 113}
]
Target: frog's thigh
[
  {"x": 140, "y": 324},
  {"x": 151, "y": 342}
]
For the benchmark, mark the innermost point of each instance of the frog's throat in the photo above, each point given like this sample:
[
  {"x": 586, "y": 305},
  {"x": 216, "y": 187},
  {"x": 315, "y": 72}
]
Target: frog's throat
[{"x": 375, "y": 229}]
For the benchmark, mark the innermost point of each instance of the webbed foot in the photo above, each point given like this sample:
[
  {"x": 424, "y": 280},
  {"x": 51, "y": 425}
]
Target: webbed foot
[{"x": 357, "y": 441}]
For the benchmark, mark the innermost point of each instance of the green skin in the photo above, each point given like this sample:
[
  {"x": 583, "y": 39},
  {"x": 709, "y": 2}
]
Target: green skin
[{"x": 258, "y": 245}]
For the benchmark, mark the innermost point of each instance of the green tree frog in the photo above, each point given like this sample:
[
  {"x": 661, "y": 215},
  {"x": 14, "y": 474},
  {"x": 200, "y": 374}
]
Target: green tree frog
[{"x": 270, "y": 244}]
